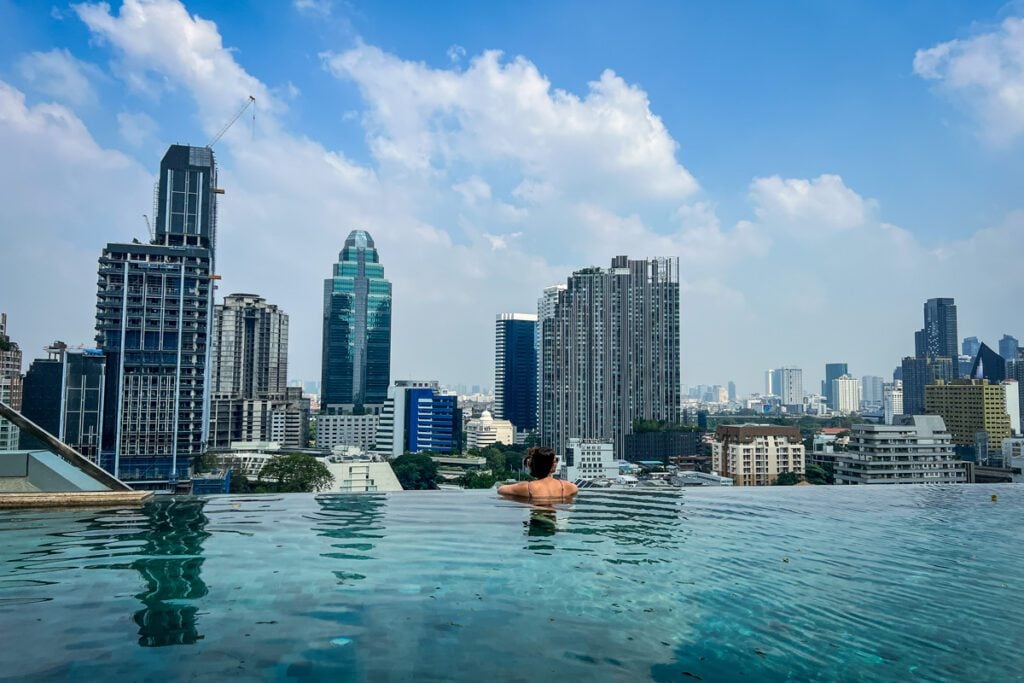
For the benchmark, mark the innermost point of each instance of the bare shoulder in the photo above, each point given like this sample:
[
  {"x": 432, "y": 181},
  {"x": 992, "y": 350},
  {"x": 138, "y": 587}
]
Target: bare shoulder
[
  {"x": 571, "y": 489},
  {"x": 517, "y": 489}
]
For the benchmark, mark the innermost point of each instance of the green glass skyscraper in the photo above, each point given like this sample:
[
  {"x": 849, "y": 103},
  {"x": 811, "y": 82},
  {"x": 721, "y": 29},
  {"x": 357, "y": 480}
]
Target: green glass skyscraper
[{"x": 356, "y": 366}]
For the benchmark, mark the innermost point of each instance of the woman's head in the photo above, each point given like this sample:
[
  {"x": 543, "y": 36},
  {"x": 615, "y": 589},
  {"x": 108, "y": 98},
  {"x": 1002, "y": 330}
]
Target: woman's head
[{"x": 540, "y": 461}]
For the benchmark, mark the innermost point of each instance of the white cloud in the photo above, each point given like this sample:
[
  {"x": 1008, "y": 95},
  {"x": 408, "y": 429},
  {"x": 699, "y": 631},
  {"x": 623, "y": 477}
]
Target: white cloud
[
  {"x": 986, "y": 73},
  {"x": 473, "y": 190},
  {"x": 607, "y": 144},
  {"x": 137, "y": 128},
  {"x": 320, "y": 8},
  {"x": 456, "y": 53},
  {"x": 59, "y": 75},
  {"x": 822, "y": 204}
]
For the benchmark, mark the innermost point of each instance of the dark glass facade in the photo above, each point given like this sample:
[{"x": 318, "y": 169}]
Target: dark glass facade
[
  {"x": 832, "y": 371},
  {"x": 433, "y": 422},
  {"x": 356, "y": 363},
  {"x": 64, "y": 396},
  {"x": 988, "y": 365},
  {"x": 919, "y": 373},
  {"x": 938, "y": 337},
  {"x": 515, "y": 371}
]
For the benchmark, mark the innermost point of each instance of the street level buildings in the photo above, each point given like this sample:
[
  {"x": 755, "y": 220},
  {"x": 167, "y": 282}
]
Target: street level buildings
[
  {"x": 756, "y": 454},
  {"x": 10, "y": 384},
  {"x": 610, "y": 352},
  {"x": 915, "y": 450},
  {"x": 153, "y": 322},
  {"x": 335, "y": 430},
  {"x": 969, "y": 406},
  {"x": 356, "y": 363},
  {"x": 515, "y": 369}
]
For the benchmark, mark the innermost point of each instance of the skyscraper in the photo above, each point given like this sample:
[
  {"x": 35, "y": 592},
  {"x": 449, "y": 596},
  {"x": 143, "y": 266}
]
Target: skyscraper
[
  {"x": 546, "y": 305},
  {"x": 938, "y": 337},
  {"x": 611, "y": 352},
  {"x": 988, "y": 365},
  {"x": 871, "y": 390},
  {"x": 1008, "y": 347},
  {"x": 892, "y": 401},
  {"x": 788, "y": 385},
  {"x": 970, "y": 346},
  {"x": 153, "y": 319},
  {"x": 832, "y": 371},
  {"x": 919, "y": 373},
  {"x": 515, "y": 369},
  {"x": 732, "y": 391},
  {"x": 847, "y": 392},
  {"x": 10, "y": 384},
  {"x": 356, "y": 367},
  {"x": 249, "y": 369}
]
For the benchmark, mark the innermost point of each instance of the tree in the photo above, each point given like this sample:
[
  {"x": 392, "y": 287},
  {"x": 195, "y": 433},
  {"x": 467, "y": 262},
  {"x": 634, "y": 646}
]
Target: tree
[
  {"x": 477, "y": 480},
  {"x": 816, "y": 474},
  {"x": 787, "y": 479},
  {"x": 240, "y": 483},
  {"x": 416, "y": 471},
  {"x": 294, "y": 473}
]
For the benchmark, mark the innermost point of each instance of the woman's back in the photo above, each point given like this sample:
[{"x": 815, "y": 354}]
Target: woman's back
[{"x": 542, "y": 464}]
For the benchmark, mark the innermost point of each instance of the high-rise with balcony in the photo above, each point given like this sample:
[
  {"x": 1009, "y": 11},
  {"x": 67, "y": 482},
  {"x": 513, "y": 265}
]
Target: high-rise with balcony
[
  {"x": 153, "y": 318},
  {"x": 788, "y": 385},
  {"x": 249, "y": 369},
  {"x": 10, "y": 384},
  {"x": 756, "y": 454},
  {"x": 969, "y": 406},
  {"x": 917, "y": 449},
  {"x": 546, "y": 306},
  {"x": 610, "y": 352},
  {"x": 515, "y": 370},
  {"x": 356, "y": 362}
]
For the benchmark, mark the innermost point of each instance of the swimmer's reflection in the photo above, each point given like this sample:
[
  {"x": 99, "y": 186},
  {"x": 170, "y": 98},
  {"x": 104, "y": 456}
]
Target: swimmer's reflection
[{"x": 542, "y": 522}]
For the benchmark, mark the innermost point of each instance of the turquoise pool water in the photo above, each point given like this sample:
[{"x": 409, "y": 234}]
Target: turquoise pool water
[{"x": 805, "y": 583}]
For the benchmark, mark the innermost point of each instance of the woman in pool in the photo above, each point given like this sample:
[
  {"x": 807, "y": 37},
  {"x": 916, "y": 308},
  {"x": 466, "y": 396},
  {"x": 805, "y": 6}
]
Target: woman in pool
[{"x": 542, "y": 464}]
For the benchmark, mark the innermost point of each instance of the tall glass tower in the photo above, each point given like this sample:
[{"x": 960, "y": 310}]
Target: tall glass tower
[
  {"x": 356, "y": 367},
  {"x": 515, "y": 369}
]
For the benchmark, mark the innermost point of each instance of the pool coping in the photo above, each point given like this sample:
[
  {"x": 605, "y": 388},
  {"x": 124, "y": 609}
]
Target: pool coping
[{"x": 73, "y": 499}]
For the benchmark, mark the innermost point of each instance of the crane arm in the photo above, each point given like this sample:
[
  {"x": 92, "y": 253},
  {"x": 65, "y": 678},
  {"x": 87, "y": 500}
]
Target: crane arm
[{"x": 251, "y": 101}]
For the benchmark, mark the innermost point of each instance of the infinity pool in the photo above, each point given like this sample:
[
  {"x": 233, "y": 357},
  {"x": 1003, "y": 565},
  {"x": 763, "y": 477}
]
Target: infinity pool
[{"x": 805, "y": 583}]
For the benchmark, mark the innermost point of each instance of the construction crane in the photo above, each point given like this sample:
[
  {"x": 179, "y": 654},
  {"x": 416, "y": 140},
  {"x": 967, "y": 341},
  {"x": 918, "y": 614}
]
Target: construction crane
[
  {"x": 249, "y": 102},
  {"x": 149, "y": 227}
]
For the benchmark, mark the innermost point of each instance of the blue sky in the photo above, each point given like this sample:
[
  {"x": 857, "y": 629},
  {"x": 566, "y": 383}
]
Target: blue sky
[{"x": 758, "y": 103}]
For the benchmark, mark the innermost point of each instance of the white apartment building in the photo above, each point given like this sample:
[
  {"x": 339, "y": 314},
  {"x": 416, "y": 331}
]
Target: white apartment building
[
  {"x": 587, "y": 459},
  {"x": 846, "y": 390},
  {"x": 485, "y": 431},
  {"x": 1013, "y": 404},
  {"x": 916, "y": 450},
  {"x": 756, "y": 454},
  {"x": 346, "y": 430},
  {"x": 892, "y": 400}
]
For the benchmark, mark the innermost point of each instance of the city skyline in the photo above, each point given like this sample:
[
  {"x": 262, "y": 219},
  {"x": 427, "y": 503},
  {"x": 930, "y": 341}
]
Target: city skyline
[{"x": 467, "y": 206}]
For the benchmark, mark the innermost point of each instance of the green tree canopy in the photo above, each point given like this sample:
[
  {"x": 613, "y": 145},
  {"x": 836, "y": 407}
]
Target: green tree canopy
[
  {"x": 477, "y": 480},
  {"x": 416, "y": 471},
  {"x": 787, "y": 479},
  {"x": 816, "y": 474},
  {"x": 294, "y": 473}
]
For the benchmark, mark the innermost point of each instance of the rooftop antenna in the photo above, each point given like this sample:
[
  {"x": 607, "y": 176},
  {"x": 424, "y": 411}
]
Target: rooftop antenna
[{"x": 251, "y": 101}]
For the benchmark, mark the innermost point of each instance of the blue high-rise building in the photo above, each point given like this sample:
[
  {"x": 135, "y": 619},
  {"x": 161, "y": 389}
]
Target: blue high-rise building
[
  {"x": 356, "y": 363},
  {"x": 515, "y": 369},
  {"x": 153, "y": 318},
  {"x": 417, "y": 417}
]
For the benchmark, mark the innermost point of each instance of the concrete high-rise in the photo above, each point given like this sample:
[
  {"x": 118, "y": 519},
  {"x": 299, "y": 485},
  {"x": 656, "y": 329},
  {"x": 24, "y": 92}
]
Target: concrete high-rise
[
  {"x": 969, "y": 406},
  {"x": 546, "y": 305},
  {"x": 846, "y": 391},
  {"x": 515, "y": 369},
  {"x": 10, "y": 384},
  {"x": 611, "y": 352},
  {"x": 788, "y": 385},
  {"x": 1009, "y": 347},
  {"x": 153, "y": 323},
  {"x": 756, "y": 454},
  {"x": 871, "y": 390},
  {"x": 356, "y": 362},
  {"x": 892, "y": 401},
  {"x": 938, "y": 337},
  {"x": 832, "y": 371},
  {"x": 249, "y": 368}
]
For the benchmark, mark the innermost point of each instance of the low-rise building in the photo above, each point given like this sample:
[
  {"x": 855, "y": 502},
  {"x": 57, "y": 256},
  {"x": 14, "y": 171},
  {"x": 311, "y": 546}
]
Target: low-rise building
[
  {"x": 587, "y": 459},
  {"x": 346, "y": 430},
  {"x": 756, "y": 454},
  {"x": 916, "y": 450},
  {"x": 485, "y": 431},
  {"x": 665, "y": 445}
]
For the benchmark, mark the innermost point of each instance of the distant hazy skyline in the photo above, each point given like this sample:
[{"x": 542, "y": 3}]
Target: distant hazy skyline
[{"x": 820, "y": 169}]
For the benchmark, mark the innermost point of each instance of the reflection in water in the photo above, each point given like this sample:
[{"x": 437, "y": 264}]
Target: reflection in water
[
  {"x": 542, "y": 522},
  {"x": 170, "y": 562},
  {"x": 356, "y": 521}
]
